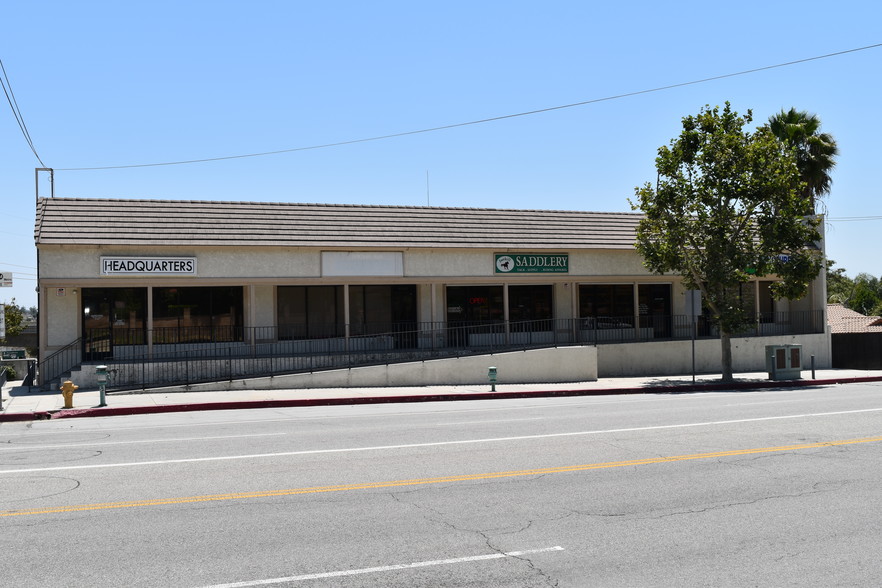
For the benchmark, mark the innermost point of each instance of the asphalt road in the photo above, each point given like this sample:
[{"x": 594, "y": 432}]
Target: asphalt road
[{"x": 768, "y": 488}]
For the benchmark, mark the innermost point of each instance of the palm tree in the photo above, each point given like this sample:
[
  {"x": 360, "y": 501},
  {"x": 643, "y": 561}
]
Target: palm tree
[{"x": 815, "y": 151}]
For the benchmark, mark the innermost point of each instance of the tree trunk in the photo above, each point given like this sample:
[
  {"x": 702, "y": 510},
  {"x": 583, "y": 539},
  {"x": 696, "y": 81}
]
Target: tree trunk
[{"x": 726, "y": 348}]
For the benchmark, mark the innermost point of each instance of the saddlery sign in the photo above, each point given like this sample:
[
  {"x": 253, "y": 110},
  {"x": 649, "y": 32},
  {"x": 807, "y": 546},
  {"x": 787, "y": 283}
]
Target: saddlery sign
[
  {"x": 532, "y": 263},
  {"x": 148, "y": 265}
]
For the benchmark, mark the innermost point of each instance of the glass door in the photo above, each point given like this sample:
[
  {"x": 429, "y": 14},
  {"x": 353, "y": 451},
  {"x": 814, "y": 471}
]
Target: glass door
[{"x": 112, "y": 317}]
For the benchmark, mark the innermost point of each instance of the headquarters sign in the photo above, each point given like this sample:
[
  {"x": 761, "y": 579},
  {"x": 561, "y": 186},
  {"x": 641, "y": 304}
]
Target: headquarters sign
[
  {"x": 148, "y": 266},
  {"x": 532, "y": 263}
]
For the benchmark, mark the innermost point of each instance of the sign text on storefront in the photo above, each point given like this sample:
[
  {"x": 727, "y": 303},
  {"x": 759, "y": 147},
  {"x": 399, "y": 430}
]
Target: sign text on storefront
[
  {"x": 148, "y": 265},
  {"x": 532, "y": 263}
]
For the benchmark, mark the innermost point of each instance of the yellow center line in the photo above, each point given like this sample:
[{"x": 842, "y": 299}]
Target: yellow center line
[{"x": 439, "y": 480}]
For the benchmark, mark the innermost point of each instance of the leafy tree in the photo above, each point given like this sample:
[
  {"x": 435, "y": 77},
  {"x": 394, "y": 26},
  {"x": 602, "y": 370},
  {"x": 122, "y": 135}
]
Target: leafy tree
[
  {"x": 865, "y": 294},
  {"x": 727, "y": 206},
  {"x": 815, "y": 151},
  {"x": 862, "y": 294},
  {"x": 839, "y": 286},
  {"x": 14, "y": 318}
]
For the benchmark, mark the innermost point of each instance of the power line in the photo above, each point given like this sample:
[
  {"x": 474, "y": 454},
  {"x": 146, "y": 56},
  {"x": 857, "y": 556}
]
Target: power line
[
  {"x": 13, "y": 104},
  {"x": 480, "y": 121},
  {"x": 3, "y": 263}
]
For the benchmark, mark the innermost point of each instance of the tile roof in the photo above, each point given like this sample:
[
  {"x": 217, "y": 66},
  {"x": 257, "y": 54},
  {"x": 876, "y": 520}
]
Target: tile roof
[
  {"x": 94, "y": 221},
  {"x": 845, "y": 320}
]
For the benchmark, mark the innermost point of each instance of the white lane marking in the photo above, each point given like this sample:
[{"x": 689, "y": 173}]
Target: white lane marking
[
  {"x": 17, "y": 447},
  {"x": 435, "y": 444},
  {"x": 390, "y": 568}
]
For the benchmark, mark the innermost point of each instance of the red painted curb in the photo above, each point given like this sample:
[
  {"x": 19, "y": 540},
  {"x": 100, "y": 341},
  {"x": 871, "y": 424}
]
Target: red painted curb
[
  {"x": 23, "y": 416},
  {"x": 250, "y": 404}
]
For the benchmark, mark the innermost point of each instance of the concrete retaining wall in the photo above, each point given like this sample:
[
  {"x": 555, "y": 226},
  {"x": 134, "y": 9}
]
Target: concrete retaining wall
[
  {"x": 671, "y": 358},
  {"x": 562, "y": 364}
]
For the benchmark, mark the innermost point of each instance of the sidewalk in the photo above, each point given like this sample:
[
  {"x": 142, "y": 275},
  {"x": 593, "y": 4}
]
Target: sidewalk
[{"x": 23, "y": 404}]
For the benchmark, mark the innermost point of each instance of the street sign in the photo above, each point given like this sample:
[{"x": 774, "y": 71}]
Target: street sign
[{"x": 6, "y": 279}]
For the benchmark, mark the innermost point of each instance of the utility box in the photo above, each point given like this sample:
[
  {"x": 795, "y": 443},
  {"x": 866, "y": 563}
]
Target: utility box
[{"x": 784, "y": 362}]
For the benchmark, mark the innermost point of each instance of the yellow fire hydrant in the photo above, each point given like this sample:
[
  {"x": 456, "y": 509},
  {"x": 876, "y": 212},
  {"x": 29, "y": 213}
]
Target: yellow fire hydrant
[{"x": 67, "y": 390}]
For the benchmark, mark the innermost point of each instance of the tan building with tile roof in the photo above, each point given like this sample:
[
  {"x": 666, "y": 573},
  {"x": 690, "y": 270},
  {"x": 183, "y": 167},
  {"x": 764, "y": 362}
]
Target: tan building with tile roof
[{"x": 139, "y": 274}]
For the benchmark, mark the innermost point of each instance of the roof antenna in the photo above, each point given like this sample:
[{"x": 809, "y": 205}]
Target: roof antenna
[{"x": 428, "y": 202}]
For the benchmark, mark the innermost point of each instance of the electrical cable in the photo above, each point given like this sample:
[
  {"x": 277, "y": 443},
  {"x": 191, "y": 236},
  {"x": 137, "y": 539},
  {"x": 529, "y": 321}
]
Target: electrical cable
[
  {"x": 477, "y": 122},
  {"x": 16, "y": 111}
]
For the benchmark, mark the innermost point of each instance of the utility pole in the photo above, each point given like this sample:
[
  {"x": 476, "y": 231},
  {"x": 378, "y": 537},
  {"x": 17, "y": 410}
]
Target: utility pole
[{"x": 51, "y": 171}]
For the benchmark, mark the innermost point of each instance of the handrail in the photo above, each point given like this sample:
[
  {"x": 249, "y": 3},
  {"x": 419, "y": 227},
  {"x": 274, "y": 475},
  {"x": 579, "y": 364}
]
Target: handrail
[
  {"x": 2, "y": 382},
  {"x": 262, "y": 352},
  {"x": 55, "y": 365},
  {"x": 192, "y": 354}
]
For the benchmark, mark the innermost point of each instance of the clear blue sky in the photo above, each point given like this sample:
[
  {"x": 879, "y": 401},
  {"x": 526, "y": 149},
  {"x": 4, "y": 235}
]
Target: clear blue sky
[{"x": 120, "y": 83}]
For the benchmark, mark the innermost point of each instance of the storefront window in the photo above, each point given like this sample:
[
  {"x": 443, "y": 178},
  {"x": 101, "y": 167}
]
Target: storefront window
[
  {"x": 474, "y": 304},
  {"x": 197, "y": 314},
  {"x": 654, "y": 306},
  {"x": 607, "y": 305},
  {"x": 112, "y": 316},
  {"x": 530, "y": 308},
  {"x": 314, "y": 312},
  {"x": 391, "y": 310},
  {"x": 382, "y": 309},
  {"x": 310, "y": 312}
]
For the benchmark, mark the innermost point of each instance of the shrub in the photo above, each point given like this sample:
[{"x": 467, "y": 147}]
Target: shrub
[{"x": 10, "y": 372}]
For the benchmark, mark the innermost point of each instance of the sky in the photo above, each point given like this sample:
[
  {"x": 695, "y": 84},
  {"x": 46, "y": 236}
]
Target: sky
[{"x": 101, "y": 84}]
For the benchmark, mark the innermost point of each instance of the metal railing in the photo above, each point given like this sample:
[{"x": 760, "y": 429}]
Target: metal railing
[
  {"x": 264, "y": 354},
  {"x": 61, "y": 361},
  {"x": 158, "y": 358}
]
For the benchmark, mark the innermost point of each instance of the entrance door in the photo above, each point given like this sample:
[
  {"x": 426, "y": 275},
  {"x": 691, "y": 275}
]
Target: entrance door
[
  {"x": 112, "y": 317},
  {"x": 655, "y": 309},
  {"x": 473, "y": 310},
  {"x": 97, "y": 321}
]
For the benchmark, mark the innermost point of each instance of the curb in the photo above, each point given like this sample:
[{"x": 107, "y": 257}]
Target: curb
[{"x": 413, "y": 398}]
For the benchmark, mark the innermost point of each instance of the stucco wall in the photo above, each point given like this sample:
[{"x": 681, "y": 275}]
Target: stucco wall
[
  {"x": 605, "y": 262},
  {"x": 261, "y": 269},
  {"x": 669, "y": 358},
  {"x": 82, "y": 262},
  {"x": 587, "y": 264},
  {"x": 264, "y": 306},
  {"x": 563, "y": 301},
  {"x": 424, "y": 304},
  {"x": 212, "y": 262},
  {"x": 562, "y": 364},
  {"x": 63, "y": 314},
  {"x": 444, "y": 262}
]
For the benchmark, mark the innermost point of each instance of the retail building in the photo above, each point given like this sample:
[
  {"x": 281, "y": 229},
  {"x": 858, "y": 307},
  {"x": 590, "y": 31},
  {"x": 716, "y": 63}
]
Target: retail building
[{"x": 121, "y": 278}]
